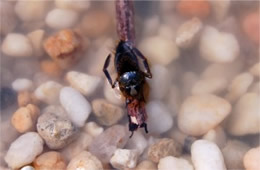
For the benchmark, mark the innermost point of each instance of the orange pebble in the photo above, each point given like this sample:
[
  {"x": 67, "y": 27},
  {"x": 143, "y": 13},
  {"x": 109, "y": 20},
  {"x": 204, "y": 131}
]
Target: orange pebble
[
  {"x": 49, "y": 160},
  {"x": 194, "y": 8},
  {"x": 250, "y": 25},
  {"x": 51, "y": 68}
]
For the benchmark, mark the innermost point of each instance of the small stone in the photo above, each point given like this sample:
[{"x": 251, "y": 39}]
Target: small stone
[
  {"x": 17, "y": 45},
  {"x": 113, "y": 95},
  {"x": 148, "y": 165},
  {"x": 77, "y": 107},
  {"x": 157, "y": 112},
  {"x": 27, "y": 168},
  {"x": 251, "y": 159},
  {"x": 49, "y": 160},
  {"x": 124, "y": 158},
  {"x": 55, "y": 127},
  {"x": 199, "y": 9},
  {"x": 31, "y": 10},
  {"x": 55, "y": 18},
  {"x": 218, "y": 47},
  {"x": 250, "y": 25},
  {"x": 22, "y": 84},
  {"x": 239, "y": 86},
  {"x": 93, "y": 129},
  {"x": 25, "y": 98},
  {"x": 86, "y": 84},
  {"x": 245, "y": 119},
  {"x": 8, "y": 97},
  {"x": 63, "y": 47},
  {"x": 255, "y": 70},
  {"x": 200, "y": 113},
  {"x": 206, "y": 155},
  {"x": 24, "y": 150},
  {"x": 216, "y": 135},
  {"x": 24, "y": 119},
  {"x": 36, "y": 38},
  {"x": 106, "y": 113},
  {"x": 165, "y": 52},
  {"x": 51, "y": 68},
  {"x": 188, "y": 32},
  {"x": 48, "y": 92},
  {"x": 137, "y": 142},
  {"x": 233, "y": 154},
  {"x": 173, "y": 163},
  {"x": 220, "y": 9},
  {"x": 79, "y": 6},
  {"x": 104, "y": 145},
  {"x": 8, "y": 17},
  {"x": 164, "y": 147},
  {"x": 85, "y": 160}
]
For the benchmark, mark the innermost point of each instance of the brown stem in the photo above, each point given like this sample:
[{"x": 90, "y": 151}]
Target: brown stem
[{"x": 125, "y": 20}]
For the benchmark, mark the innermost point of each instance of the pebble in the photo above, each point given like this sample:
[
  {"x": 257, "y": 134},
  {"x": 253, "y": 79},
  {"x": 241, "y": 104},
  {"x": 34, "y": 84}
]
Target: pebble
[
  {"x": 124, "y": 158},
  {"x": 31, "y": 10},
  {"x": 206, "y": 155},
  {"x": 24, "y": 150},
  {"x": 24, "y": 119},
  {"x": 8, "y": 97},
  {"x": 55, "y": 127},
  {"x": 188, "y": 32},
  {"x": 63, "y": 47},
  {"x": 79, "y": 6},
  {"x": 213, "y": 85},
  {"x": 220, "y": 9},
  {"x": 239, "y": 86},
  {"x": 106, "y": 113},
  {"x": 216, "y": 135},
  {"x": 48, "y": 92},
  {"x": 49, "y": 160},
  {"x": 211, "y": 108},
  {"x": 22, "y": 84},
  {"x": 93, "y": 129},
  {"x": 245, "y": 119},
  {"x": 51, "y": 68},
  {"x": 55, "y": 18},
  {"x": 199, "y": 9},
  {"x": 84, "y": 83},
  {"x": 146, "y": 164},
  {"x": 17, "y": 45},
  {"x": 113, "y": 95},
  {"x": 8, "y": 17},
  {"x": 250, "y": 25},
  {"x": 164, "y": 147},
  {"x": 165, "y": 52},
  {"x": 104, "y": 145},
  {"x": 77, "y": 107},
  {"x": 27, "y": 168},
  {"x": 233, "y": 154},
  {"x": 85, "y": 160},
  {"x": 251, "y": 159},
  {"x": 36, "y": 38},
  {"x": 218, "y": 47},
  {"x": 25, "y": 97},
  {"x": 157, "y": 112},
  {"x": 137, "y": 142},
  {"x": 255, "y": 70},
  {"x": 173, "y": 163}
]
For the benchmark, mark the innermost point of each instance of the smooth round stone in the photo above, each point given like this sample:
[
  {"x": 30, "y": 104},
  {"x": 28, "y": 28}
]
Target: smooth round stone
[
  {"x": 17, "y": 45},
  {"x": 218, "y": 47},
  {"x": 86, "y": 84},
  {"x": 137, "y": 142},
  {"x": 124, "y": 158},
  {"x": 245, "y": 118},
  {"x": 73, "y": 5},
  {"x": 77, "y": 107},
  {"x": 206, "y": 155},
  {"x": 220, "y": 9},
  {"x": 173, "y": 163},
  {"x": 61, "y": 18},
  {"x": 165, "y": 52},
  {"x": 27, "y": 168},
  {"x": 216, "y": 135},
  {"x": 48, "y": 92},
  {"x": 157, "y": 112},
  {"x": 36, "y": 38},
  {"x": 22, "y": 84},
  {"x": 200, "y": 113},
  {"x": 146, "y": 164},
  {"x": 251, "y": 159},
  {"x": 85, "y": 160},
  {"x": 93, "y": 129},
  {"x": 24, "y": 150}
]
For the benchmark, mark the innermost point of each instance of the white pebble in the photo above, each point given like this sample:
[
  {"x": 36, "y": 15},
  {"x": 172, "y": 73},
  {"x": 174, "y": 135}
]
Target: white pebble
[
  {"x": 22, "y": 84},
  {"x": 206, "y": 155},
  {"x": 218, "y": 46},
  {"x": 93, "y": 129},
  {"x": 77, "y": 107},
  {"x": 84, "y": 83},
  {"x": 17, "y": 45},
  {"x": 24, "y": 150},
  {"x": 48, "y": 92},
  {"x": 137, "y": 142},
  {"x": 200, "y": 113},
  {"x": 173, "y": 163},
  {"x": 245, "y": 118},
  {"x": 158, "y": 113},
  {"x": 61, "y": 18},
  {"x": 27, "y": 168},
  {"x": 124, "y": 158},
  {"x": 73, "y": 5},
  {"x": 159, "y": 50},
  {"x": 220, "y": 8}
]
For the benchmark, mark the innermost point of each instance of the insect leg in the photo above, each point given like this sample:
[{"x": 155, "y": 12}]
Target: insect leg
[
  {"x": 146, "y": 66},
  {"x": 106, "y": 71}
]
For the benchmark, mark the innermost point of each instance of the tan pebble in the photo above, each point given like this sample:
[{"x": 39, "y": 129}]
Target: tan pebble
[
  {"x": 24, "y": 98},
  {"x": 51, "y": 68},
  {"x": 49, "y": 160},
  {"x": 251, "y": 159},
  {"x": 255, "y": 70},
  {"x": 36, "y": 38},
  {"x": 146, "y": 165}
]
